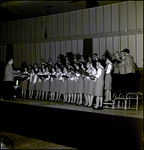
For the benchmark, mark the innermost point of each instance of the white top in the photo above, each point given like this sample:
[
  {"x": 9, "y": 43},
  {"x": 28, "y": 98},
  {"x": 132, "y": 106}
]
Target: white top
[
  {"x": 31, "y": 75},
  {"x": 109, "y": 68},
  {"x": 98, "y": 73}
]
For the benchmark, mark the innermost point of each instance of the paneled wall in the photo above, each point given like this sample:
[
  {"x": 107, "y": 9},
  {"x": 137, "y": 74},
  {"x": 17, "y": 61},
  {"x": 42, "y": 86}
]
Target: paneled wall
[
  {"x": 65, "y": 32},
  {"x": 31, "y": 53},
  {"x": 104, "y": 19}
]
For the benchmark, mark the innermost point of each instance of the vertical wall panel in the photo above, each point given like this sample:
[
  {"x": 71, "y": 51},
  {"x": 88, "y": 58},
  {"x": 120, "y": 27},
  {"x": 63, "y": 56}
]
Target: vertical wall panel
[
  {"x": 139, "y": 14},
  {"x": 79, "y": 22},
  {"x": 102, "y": 46},
  {"x": 72, "y": 23},
  {"x": 47, "y": 46},
  {"x": 132, "y": 46},
  {"x": 107, "y": 18},
  {"x": 57, "y": 49},
  {"x": 28, "y": 29},
  {"x": 131, "y": 15},
  {"x": 1, "y": 53},
  {"x": 49, "y": 26},
  {"x": 86, "y": 21},
  {"x": 24, "y": 53},
  {"x": 92, "y": 20},
  {"x": 33, "y": 53},
  {"x": 66, "y": 24},
  {"x": 38, "y": 27},
  {"x": 63, "y": 49},
  {"x": 10, "y": 31},
  {"x": 74, "y": 46},
  {"x": 15, "y": 51},
  {"x": 80, "y": 47},
  {"x": 24, "y": 30},
  {"x": 53, "y": 52},
  {"x": 60, "y": 25},
  {"x": 116, "y": 42},
  {"x": 20, "y": 57},
  {"x": 124, "y": 41},
  {"x": 109, "y": 45},
  {"x": 140, "y": 59},
  {"x": 54, "y": 24},
  {"x": 68, "y": 46},
  {"x": 123, "y": 16},
  {"x": 115, "y": 17},
  {"x": 28, "y": 49},
  {"x": 44, "y": 27},
  {"x": 99, "y": 20},
  {"x": 33, "y": 28},
  {"x": 96, "y": 46},
  {"x": 5, "y": 50},
  {"x": 5, "y": 31},
  {"x": 14, "y": 30},
  {"x": 2, "y": 31},
  {"x": 42, "y": 50},
  {"x": 19, "y": 30},
  {"x": 38, "y": 53}
]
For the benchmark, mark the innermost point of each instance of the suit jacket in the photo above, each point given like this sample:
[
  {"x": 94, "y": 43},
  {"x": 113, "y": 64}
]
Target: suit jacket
[
  {"x": 122, "y": 69},
  {"x": 129, "y": 64},
  {"x": 9, "y": 73}
]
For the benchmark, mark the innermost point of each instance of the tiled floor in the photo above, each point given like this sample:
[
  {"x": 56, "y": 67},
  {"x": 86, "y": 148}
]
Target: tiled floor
[{"x": 22, "y": 142}]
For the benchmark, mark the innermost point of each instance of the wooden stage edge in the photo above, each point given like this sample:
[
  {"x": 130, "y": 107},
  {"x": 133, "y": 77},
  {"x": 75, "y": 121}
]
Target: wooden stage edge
[{"x": 68, "y": 106}]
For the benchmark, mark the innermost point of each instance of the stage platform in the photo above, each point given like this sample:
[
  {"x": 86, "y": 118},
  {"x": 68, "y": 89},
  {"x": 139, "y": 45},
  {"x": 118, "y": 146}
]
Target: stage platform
[
  {"x": 73, "y": 125},
  {"x": 68, "y": 106}
]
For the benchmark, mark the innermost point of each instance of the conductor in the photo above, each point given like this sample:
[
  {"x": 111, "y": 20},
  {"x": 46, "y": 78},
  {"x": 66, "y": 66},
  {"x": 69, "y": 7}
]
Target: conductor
[{"x": 9, "y": 80}]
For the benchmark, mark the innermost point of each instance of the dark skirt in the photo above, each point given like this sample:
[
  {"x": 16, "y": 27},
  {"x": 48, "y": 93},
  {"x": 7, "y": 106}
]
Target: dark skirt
[
  {"x": 58, "y": 86},
  {"x": 80, "y": 85},
  {"x": 70, "y": 86},
  {"x": 45, "y": 86},
  {"x": 24, "y": 85},
  {"x": 52, "y": 86},
  {"x": 85, "y": 85},
  {"x": 75, "y": 87},
  {"x": 38, "y": 86},
  {"x": 108, "y": 82},
  {"x": 90, "y": 87},
  {"x": 31, "y": 86},
  {"x": 64, "y": 87},
  {"x": 98, "y": 87}
]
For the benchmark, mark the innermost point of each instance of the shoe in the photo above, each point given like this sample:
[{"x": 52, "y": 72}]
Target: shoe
[
  {"x": 89, "y": 105},
  {"x": 95, "y": 108},
  {"x": 109, "y": 101},
  {"x": 100, "y": 108}
]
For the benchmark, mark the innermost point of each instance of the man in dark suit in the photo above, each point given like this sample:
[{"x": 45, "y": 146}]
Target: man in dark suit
[
  {"x": 9, "y": 80},
  {"x": 129, "y": 71}
]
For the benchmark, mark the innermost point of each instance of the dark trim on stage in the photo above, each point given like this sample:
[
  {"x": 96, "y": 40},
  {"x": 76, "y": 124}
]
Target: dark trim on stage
[{"x": 82, "y": 130}]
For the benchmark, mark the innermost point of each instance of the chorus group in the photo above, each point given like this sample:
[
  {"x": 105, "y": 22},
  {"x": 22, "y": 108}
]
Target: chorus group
[{"x": 72, "y": 79}]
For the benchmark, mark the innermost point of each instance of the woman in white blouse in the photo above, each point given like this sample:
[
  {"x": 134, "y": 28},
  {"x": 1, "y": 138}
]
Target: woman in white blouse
[
  {"x": 99, "y": 84},
  {"x": 90, "y": 86},
  {"x": 108, "y": 80}
]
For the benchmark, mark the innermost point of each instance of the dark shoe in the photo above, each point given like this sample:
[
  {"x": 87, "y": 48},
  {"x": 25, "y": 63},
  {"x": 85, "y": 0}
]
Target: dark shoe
[{"x": 100, "y": 108}]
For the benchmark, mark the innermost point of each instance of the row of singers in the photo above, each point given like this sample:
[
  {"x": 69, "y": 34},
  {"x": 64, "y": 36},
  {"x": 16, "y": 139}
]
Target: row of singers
[{"x": 70, "y": 83}]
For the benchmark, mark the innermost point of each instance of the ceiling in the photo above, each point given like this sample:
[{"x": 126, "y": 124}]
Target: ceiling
[{"x": 15, "y": 10}]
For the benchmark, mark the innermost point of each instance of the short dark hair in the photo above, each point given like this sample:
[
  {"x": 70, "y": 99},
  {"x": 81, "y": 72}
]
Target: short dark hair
[
  {"x": 126, "y": 50},
  {"x": 102, "y": 62},
  {"x": 96, "y": 54}
]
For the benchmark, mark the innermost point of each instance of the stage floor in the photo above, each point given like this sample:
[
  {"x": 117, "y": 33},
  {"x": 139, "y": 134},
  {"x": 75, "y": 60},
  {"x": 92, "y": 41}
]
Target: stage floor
[{"x": 68, "y": 106}]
